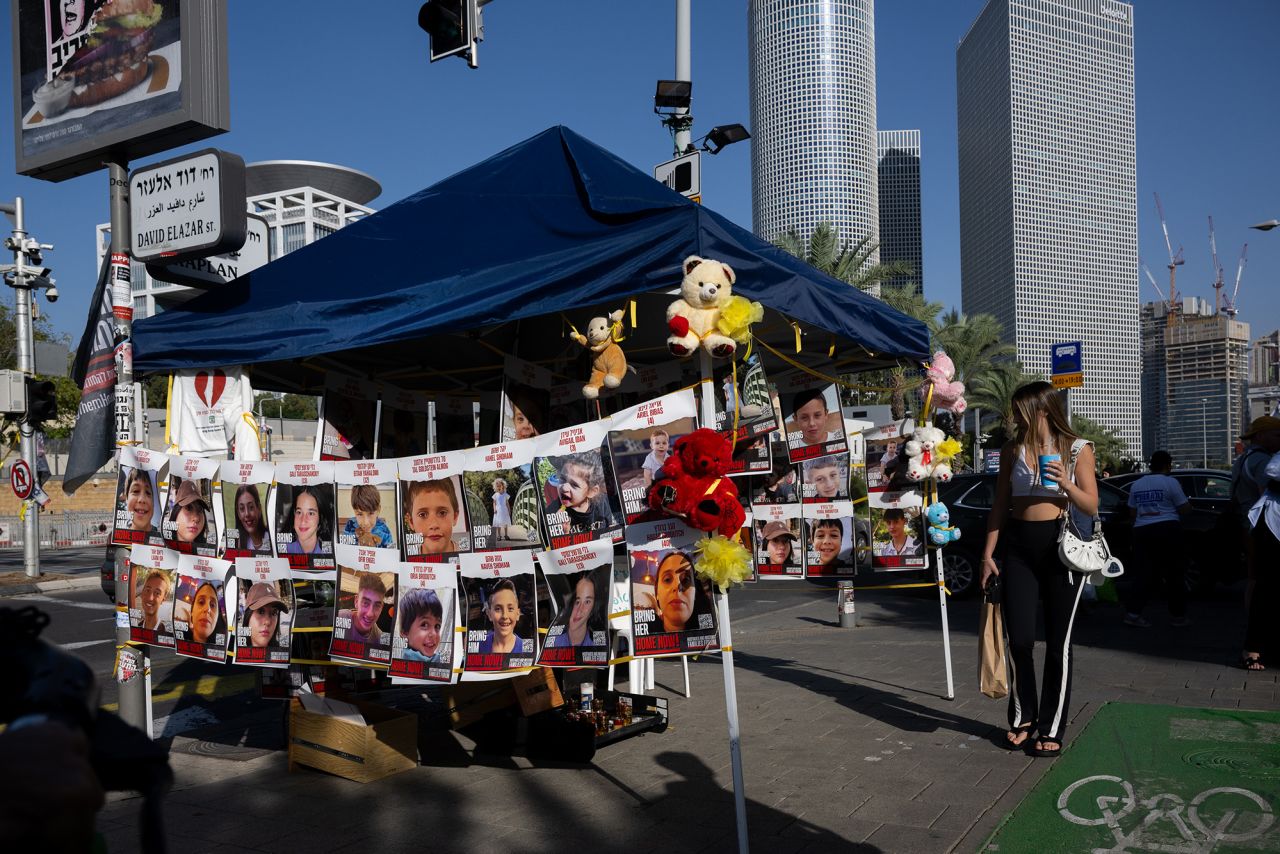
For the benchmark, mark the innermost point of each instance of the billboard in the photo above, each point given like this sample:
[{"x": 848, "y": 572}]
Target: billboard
[{"x": 129, "y": 77}]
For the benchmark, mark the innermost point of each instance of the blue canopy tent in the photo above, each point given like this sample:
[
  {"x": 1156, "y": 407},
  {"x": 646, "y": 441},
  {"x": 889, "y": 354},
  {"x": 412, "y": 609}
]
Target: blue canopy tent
[{"x": 453, "y": 275}]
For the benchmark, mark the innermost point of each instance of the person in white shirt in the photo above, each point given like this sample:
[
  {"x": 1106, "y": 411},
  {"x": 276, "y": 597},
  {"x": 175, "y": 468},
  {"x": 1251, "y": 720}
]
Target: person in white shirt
[
  {"x": 1158, "y": 505},
  {"x": 900, "y": 541}
]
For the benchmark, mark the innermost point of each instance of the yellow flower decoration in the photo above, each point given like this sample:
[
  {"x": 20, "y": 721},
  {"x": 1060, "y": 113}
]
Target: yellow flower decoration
[
  {"x": 722, "y": 560},
  {"x": 947, "y": 448},
  {"x": 736, "y": 318}
]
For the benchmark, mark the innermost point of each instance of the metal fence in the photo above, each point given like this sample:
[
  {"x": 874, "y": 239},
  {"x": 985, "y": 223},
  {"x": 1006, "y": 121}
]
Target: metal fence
[{"x": 67, "y": 529}]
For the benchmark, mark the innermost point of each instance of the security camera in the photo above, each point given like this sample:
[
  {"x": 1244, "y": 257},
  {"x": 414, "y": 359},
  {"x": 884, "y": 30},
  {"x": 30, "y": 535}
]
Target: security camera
[{"x": 51, "y": 293}]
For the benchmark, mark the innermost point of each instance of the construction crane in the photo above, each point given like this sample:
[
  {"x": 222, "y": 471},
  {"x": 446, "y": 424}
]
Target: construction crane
[
  {"x": 1175, "y": 261},
  {"x": 1229, "y": 305},
  {"x": 1217, "y": 270},
  {"x": 1147, "y": 270}
]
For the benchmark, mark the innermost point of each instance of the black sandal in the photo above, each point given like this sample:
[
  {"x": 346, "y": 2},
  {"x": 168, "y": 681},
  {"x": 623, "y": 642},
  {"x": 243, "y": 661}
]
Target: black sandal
[
  {"x": 1044, "y": 752},
  {"x": 1021, "y": 743},
  {"x": 1252, "y": 663}
]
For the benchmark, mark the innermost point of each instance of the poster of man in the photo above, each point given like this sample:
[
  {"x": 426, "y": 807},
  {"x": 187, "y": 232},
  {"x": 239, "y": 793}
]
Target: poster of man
[
  {"x": 672, "y": 611},
  {"x": 138, "y": 508},
  {"x": 576, "y": 486},
  {"x": 578, "y": 577},
  {"x": 825, "y": 479},
  {"x": 366, "y": 493},
  {"x": 640, "y": 440},
  {"x": 189, "y": 526},
  {"x": 265, "y": 611},
  {"x": 424, "y": 645},
  {"x": 811, "y": 416},
  {"x": 898, "y": 538},
  {"x": 200, "y": 608},
  {"x": 348, "y": 419},
  {"x": 830, "y": 536},
  {"x": 502, "y": 617},
  {"x": 362, "y": 623},
  {"x": 501, "y": 496},
  {"x": 404, "y": 423},
  {"x": 152, "y": 570},
  {"x": 246, "y": 492},
  {"x": 434, "y": 523},
  {"x": 304, "y": 514}
]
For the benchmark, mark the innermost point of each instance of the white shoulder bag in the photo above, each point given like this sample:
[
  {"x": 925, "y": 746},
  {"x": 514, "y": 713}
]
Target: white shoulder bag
[{"x": 1080, "y": 552}]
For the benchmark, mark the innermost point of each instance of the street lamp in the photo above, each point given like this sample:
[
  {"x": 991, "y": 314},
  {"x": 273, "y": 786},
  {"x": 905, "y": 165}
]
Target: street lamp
[
  {"x": 722, "y": 135},
  {"x": 1204, "y": 431}
]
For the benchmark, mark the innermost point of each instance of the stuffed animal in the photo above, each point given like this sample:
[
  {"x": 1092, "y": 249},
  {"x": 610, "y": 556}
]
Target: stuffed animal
[
  {"x": 610, "y": 363},
  {"x": 693, "y": 485},
  {"x": 923, "y": 460},
  {"x": 947, "y": 394},
  {"x": 941, "y": 531},
  {"x": 693, "y": 319}
]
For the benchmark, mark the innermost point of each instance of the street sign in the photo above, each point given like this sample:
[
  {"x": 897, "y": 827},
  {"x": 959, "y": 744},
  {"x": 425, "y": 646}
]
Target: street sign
[
  {"x": 189, "y": 207},
  {"x": 1066, "y": 365},
  {"x": 683, "y": 174},
  {"x": 21, "y": 480},
  {"x": 220, "y": 269}
]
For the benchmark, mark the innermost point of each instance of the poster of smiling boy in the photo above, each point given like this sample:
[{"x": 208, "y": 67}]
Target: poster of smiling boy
[
  {"x": 366, "y": 493},
  {"x": 433, "y": 518},
  {"x": 640, "y": 439},
  {"x": 575, "y": 485},
  {"x": 151, "y": 575},
  {"x": 189, "y": 526},
  {"x": 200, "y": 608},
  {"x": 672, "y": 612},
  {"x": 830, "y": 537},
  {"x": 265, "y": 611},
  {"x": 811, "y": 416},
  {"x": 825, "y": 479},
  {"x": 245, "y": 486},
  {"x": 578, "y": 578},
  {"x": 502, "y": 617},
  {"x": 425, "y": 646},
  {"x": 502, "y": 506},
  {"x": 303, "y": 504},
  {"x": 138, "y": 507},
  {"x": 362, "y": 624}
]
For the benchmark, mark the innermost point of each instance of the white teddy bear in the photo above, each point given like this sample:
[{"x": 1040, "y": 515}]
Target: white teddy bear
[
  {"x": 706, "y": 289},
  {"x": 922, "y": 455}
]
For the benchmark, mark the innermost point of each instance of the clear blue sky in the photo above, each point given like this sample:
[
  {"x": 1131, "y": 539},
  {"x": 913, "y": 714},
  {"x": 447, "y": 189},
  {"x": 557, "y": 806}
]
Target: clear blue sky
[{"x": 350, "y": 84}]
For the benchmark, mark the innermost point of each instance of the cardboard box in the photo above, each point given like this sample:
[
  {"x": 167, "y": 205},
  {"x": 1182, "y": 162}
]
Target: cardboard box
[
  {"x": 387, "y": 743},
  {"x": 537, "y": 691}
]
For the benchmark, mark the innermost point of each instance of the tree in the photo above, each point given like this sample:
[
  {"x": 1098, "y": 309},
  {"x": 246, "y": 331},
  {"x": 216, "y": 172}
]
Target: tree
[
  {"x": 294, "y": 406},
  {"x": 994, "y": 391},
  {"x": 849, "y": 263},
  {"x": 1109, "y": 449}
]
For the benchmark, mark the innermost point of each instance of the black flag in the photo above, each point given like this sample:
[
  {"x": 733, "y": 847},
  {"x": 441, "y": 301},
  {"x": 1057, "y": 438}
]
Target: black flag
[{"x": 93, "y": 440}]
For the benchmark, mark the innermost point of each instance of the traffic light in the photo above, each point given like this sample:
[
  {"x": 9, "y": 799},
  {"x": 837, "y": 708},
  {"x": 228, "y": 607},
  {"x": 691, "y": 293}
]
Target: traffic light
[
  {"x": 451, "y": 24},
  {"x": 42, "y": 401}
]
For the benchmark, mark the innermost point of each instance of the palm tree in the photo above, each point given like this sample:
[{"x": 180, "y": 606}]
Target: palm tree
[
  {"x": 1109, "y": 449},
  {"x": 909, "y": 301},
  {"x": 994, "y": 391},
  {"x": 848, "y": 263},
  {"x": 974, "y": 345}
]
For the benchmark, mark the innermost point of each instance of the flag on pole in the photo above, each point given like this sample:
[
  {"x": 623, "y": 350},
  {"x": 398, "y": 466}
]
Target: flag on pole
[{"x": 93, "y": 440}]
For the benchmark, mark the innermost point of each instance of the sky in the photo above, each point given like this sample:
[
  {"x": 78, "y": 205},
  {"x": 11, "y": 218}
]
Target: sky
[{"x": 313, "y": 81}]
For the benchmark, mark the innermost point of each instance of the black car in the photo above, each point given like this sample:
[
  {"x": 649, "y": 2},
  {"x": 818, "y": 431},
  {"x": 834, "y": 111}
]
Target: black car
[{"x": 1214, "y": 543}]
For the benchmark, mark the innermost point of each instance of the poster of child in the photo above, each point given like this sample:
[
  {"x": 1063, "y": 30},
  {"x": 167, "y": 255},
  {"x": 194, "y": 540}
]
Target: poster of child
[
  {"x": 502, "y": 621},
  {"x": 265, "y": 611},
  {"x": 426, "y": 612},
  {"x": 897, "y": 539},
  {"x": 501, "y": 497},
  {"x": 825, "y": 479},
  {"x": 404, "y": 421},
  {"x": 152, "y": 571},
  {"x": 200, "y": 608},
  {"x": 138, "y": 508},
  {"x": 189, "y": 525},
  {"x": 641, "y": 438},
  {"x": 579, "y": 579},
  {"x": 362, "y": 623},
  {"x": 779, "y": 541},
  {"x": 579, "y": 499},
  {"x": 246, "y": 491},
  {"x": 526, "y": 400},
  {"x": 304, "y": 514},
  {"x": 366, "y": 497},
  {"x": 433, "y": 522},
  {"x": 348, "y": 419},
  {"x": 811, "y": 416},
  {"x": 830, "y": 530}
]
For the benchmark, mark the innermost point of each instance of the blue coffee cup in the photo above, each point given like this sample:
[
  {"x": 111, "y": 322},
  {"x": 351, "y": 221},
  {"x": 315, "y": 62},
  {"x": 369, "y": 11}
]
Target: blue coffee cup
[{"x": 1045, "y": 480}]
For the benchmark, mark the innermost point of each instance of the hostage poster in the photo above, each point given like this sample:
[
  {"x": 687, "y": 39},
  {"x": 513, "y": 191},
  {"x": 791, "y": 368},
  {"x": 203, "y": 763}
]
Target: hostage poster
[
  {"x": 502, "y": 614},
  {"x": 672, "y": 612},
  {"x": 265, "y": 611},
  {"x": 152, "y": 572},
  {"x": 200, "y": 608},
  {"x": 189, "y": 525},
  {"x": 304, "y": 514},
  {"x": 366, "y": 493},
  {"x": 348, "y": 419},
  {"x": 744, "y": 412},
  {"x": 362, "y": 623},
  {"x": 526, "y": 400},
  {"x": 434, "y": 523},
  {"x": 640, "y": 439},
  {"x": 404, "y": 423},
  {"x": 579, "y": 579},
  {"x": 246, "y": 494},
  {"x": 779, "y": 541},
  {"x": 811, "y": 416},
  {"x": 500, "y": 477},
  {"x": 426, "y": 644},
  {"x": 831, "y": 539},
  {"x": 138, "y": 508},
  {"x": 575, "y": 485}
]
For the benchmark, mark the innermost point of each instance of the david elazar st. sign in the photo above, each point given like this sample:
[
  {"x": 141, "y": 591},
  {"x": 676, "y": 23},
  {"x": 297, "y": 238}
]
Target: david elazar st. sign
[{"x": 188, "y": 207}]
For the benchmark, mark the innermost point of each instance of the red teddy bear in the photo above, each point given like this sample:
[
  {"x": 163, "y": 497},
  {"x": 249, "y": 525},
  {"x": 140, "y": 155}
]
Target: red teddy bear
[{"x": 693, "y": 485}]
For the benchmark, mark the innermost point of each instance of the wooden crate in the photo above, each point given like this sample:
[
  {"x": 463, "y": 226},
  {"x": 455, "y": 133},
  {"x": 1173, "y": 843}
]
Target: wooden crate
[{"x": 387, "y": 744}]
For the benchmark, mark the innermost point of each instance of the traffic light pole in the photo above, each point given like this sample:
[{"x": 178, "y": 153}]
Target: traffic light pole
[{"x": 27, "y": 366}]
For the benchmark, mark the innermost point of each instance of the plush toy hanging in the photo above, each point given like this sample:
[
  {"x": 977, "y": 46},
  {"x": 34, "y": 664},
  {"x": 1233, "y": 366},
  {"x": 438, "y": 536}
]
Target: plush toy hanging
[
  {"x": 924, "y": 459},
  {"x": 694, "y": 487},
  {"x": 707, "y": 313},
  {"x": 941, "y": 531},
  {"x": 947, "y": 395},
  {"x": 609, "y": 363}
]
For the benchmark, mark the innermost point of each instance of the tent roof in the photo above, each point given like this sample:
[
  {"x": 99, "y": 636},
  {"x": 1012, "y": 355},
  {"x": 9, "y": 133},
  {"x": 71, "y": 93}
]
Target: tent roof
[{"x": 552, "y": 224}]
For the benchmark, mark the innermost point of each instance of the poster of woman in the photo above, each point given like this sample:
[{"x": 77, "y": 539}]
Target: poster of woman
[
  {"x": 425, "y": 646},
  {"x": 779, "y": 541},
  {"x": 152, "y": 570},
  {"x": 265, "y": 611},
  {"x": 575, "y": 483},
  {"x": 189, "y": 525},
  {"x": 245, "y": 486},
  {"x": 502, "y": 617},
  {"x": 200, "y": 608},
  {"x": 641, "y": 438},
  {"x": 672, "y": 612},
  {"x": 366, "y": 503},
  {"x": 362, "y": 622},
  {"x": 501, "y": 497},
  {"x": 138, "y": 508},
  {"x": 811, "y": 416},
  {"x": 434, "y": 525},
  {"x": 578, "y": 577},
  {"x": 304, "y": 514}
]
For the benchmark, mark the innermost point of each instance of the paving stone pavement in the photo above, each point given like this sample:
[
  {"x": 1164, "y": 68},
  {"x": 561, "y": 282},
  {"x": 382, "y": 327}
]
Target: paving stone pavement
[{"x": 847, "y": 745}]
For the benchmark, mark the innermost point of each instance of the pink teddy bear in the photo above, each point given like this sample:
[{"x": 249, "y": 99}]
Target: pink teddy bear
[{"x": 946, "y": 394}]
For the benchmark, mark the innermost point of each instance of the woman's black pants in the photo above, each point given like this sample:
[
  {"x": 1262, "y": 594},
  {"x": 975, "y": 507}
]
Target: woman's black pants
[{"x": 1031, "y": 571}]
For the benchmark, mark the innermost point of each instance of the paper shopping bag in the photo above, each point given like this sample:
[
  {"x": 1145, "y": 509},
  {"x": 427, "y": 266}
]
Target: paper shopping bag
[{"x": 993, "y": 680}]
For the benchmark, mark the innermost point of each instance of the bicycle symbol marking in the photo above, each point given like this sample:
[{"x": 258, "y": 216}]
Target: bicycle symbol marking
[{"x": 1209, "y": 819}]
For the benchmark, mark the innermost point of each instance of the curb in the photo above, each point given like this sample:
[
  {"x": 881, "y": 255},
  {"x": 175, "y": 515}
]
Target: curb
[{"x": 57, "y": 586}]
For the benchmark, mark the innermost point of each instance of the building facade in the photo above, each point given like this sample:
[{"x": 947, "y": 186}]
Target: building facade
[
  {"x": 301, "y": 201},
  {"x": 1207, "y": 381},
  {"x": 1048, "y": 186},
  {"x": 812, "y": 74},
  {"x": 1264, "y": 375},
  {"x": 901, "y": 237}
]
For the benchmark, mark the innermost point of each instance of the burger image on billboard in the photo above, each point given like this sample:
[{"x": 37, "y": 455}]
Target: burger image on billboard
[{"x": 115, "y": 58}]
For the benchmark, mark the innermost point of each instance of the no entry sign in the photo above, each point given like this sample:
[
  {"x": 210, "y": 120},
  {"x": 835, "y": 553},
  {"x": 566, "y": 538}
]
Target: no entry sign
[{"x": 21, "y": 480}]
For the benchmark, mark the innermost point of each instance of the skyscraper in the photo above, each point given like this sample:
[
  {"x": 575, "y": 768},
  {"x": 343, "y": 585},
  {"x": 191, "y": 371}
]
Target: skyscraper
[
  {"x": 813, "y": 117},
  {"x": 1048, "y": 181},
  {"x": 900, "y": 234}
]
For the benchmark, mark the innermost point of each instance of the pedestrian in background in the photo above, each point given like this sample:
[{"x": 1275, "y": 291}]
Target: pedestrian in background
[
  {"x": 1248, "y": 488},
  {"x": 1158, "y": 505}
]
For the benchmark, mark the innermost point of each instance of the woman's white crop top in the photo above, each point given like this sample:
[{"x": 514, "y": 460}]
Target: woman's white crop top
[{"x": 1025, "y": 481}]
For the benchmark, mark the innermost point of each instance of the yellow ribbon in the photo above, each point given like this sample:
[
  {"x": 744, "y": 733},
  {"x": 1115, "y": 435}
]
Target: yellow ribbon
[
  {"x": 808, "y": 370},
  {"x": 796, "y": 327}
]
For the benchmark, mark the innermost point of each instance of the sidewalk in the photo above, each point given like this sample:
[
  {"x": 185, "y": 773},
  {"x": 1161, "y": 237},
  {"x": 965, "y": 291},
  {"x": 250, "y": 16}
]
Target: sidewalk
[
  {"x": 847, "y": 746},
  {"x": 61, "y": 569}
]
